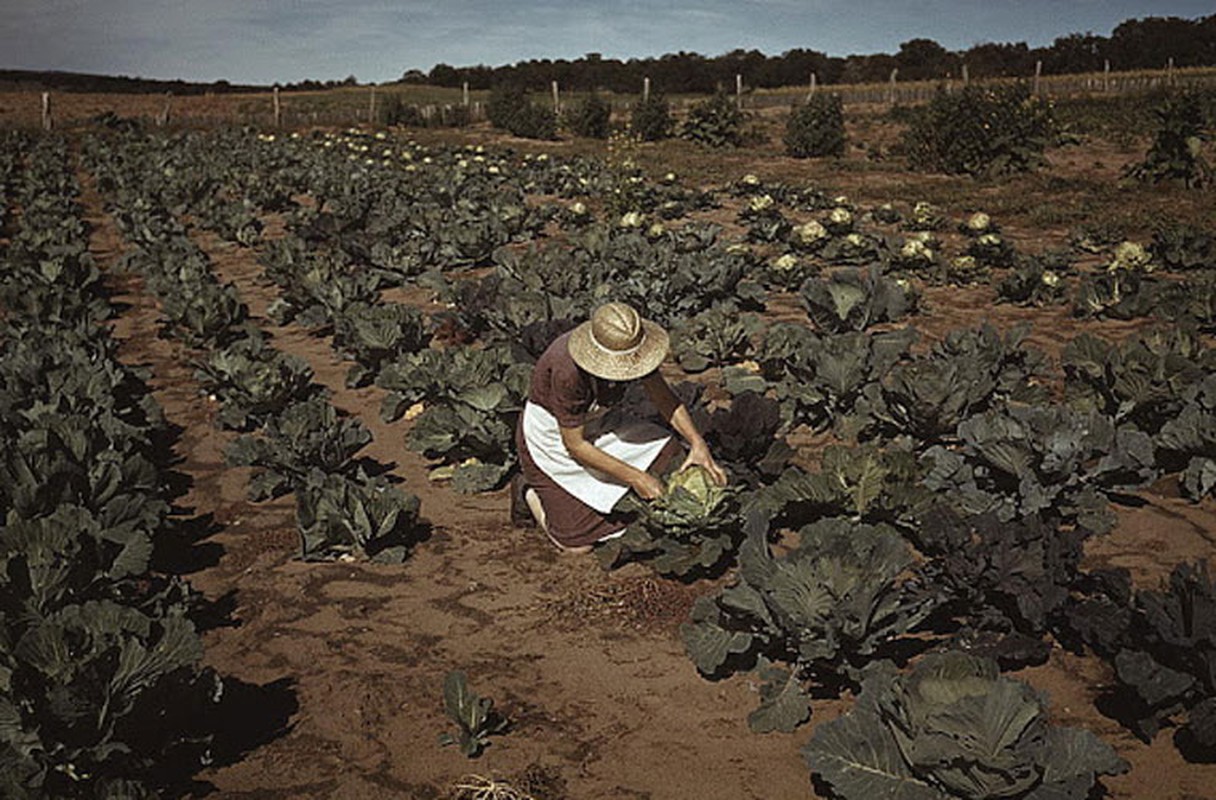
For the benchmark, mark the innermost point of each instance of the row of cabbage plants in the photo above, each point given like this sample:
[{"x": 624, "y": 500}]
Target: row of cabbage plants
[
  {"x": 294, "y": 436},
  {"x": 102, "y": 691},
  {"x": 914, "y": 247},
  {"x": 957, "y": 515}
]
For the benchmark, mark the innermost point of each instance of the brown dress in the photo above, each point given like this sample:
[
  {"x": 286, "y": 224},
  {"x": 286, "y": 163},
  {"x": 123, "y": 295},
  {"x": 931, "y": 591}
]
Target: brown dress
[{"x": 567, "y": 392}]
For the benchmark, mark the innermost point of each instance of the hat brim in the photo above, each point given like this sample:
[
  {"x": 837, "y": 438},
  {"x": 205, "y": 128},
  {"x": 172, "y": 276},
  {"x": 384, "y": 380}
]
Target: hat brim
[{"x": 619, "y": 366}]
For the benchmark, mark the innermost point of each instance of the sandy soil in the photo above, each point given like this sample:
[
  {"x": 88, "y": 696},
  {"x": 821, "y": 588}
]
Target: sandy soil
[{"x": 346, "y": 660}]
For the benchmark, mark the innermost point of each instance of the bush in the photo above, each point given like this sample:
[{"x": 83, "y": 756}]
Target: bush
[
  {"x": 816, "y": 128},
  {"x": 1175, "y": 153},
  {"x": 510, "y": 109},
  {"x": 980, "y": 131},
  {"x": 591, "y": 118},
  {"x": 395, "y": 111},
  {"x": 716, "y": 122},
  {"x": 651, "y": 120}
]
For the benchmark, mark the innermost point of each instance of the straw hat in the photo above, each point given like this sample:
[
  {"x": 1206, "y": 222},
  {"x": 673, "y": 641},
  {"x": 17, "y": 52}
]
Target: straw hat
[{"x": 618, "y": 345}]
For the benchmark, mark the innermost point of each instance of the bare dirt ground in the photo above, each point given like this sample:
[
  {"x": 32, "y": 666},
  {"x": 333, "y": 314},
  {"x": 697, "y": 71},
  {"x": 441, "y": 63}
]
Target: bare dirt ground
[{"x": 587, "y": 665}]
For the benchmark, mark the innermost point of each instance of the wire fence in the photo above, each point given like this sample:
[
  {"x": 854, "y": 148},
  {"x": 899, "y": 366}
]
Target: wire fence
[{"x": 443, "y": 107}]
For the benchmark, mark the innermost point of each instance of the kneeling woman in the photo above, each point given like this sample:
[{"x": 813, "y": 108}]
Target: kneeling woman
[{"x": 575, "y": 471}]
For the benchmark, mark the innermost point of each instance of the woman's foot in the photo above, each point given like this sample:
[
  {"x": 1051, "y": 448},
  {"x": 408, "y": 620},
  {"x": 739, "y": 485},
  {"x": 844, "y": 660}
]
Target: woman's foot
[{"x": 522, "y": 515}]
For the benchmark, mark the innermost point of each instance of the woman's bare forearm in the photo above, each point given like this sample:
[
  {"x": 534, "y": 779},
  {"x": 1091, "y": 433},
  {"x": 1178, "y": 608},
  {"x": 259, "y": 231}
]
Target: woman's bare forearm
[
  {"x": 592, "y": 457},
  {"x": 674, "y": 412}
]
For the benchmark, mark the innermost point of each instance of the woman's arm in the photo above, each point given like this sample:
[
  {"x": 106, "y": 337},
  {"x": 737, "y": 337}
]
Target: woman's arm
[
  {"x": 676, "y": 415},
  {"x": 647, "y": 486}
]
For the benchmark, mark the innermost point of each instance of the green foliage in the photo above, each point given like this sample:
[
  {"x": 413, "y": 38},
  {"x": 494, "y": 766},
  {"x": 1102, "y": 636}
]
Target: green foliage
[
  {"x": 1184, "y": 247},
  {"x": 1123, "y": 295},
  {"x": 509, "y": 108},
  {"x": 590, "y": 118},
  {"x": 102, "y": 691},
  {"x": 472, "y": 399},
  {"x": 1188, "y": 437},
  {"x": 816, "y": 128},
  {"x": 925, "y": 216},
  {"x": 714, "y": 337},
  {"x": 1176, "y": 152},
  {"x": 765, "y": 222},
  {"x": 854, "y": 299},
  {"x": 745, "y": 439},
  {"x": 304, "y": 436},
  {"x": 980, "y": 131},
  {"x": 393, "y": 110},
  {"x": 716, "y": 122},
  {"x": 1017, "y": 461},
  {"x": 969, "y": 371},
  {"x": 827, "y": 606},
  {"x": 254, "y": 382},
  {"x": 474, "y": 716},
  {"x": 1162, "y": 650},
  {"x": 861, "y": 482},
  {"x": 689, "y": 531},
  {"x": 953, "y": 728},
  {"x": 992, "y": 250},
  {"x": 1035, "y": 281},
  {"x": 340, "y": 516},
  {"x": 1145, "y": 380},
  {"x": 819, "y": 380},
  {"x": 374, "y": 335},
  {"x": 651, "y": 119}
]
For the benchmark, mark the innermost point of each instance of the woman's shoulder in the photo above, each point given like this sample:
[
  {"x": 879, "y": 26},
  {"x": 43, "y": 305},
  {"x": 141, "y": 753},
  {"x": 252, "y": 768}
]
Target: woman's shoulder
[
  {"x": 557, "y": 358},
  {"x": 559, "y": 373}
]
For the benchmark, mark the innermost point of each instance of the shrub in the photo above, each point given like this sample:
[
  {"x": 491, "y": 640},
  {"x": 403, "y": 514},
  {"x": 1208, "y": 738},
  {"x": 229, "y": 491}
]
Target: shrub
[
  {"x": 816, "y": 128},
  {"x": 980, "y": 131},
  {"x": 716, "y": 122},
  {"x": 450, "y": 116},
  {"x": 1175, "y": 153},
  {"x": 510, "y": 109},
  {"x": 395, "y": 111},
  {"x": 651, "y": 119},
  {"x": 590, "y": 118}
]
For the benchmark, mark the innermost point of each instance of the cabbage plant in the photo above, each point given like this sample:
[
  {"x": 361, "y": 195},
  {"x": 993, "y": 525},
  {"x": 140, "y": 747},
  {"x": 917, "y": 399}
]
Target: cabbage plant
[
  {"x": 692, "y": 529},
  {"x": 827, "y": 607},
  {"x": 954, "y": 728}
]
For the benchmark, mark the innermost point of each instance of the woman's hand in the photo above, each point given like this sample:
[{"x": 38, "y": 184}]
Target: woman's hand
[
  {"x": 647, "y": 486},
  {"x": 699, "y": 455}
]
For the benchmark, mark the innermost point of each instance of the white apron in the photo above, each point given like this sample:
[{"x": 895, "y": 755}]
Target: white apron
[{"x": 636, "y": 443}]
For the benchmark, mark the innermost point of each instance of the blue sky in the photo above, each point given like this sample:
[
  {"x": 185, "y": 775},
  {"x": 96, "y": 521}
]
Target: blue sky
[{"x": 263, "y": 41}]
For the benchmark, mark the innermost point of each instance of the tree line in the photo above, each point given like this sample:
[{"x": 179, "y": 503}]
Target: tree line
[{"x": 1147, "y": 43}]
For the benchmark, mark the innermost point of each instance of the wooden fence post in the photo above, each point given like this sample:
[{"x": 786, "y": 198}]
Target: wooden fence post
[
  {"x": 1169, "y": 71},
  {"x": 1038, "y": 76},
  {"x": 891, "y": 88},
  {"x": 966, "y": 75},
  {"x": 371, "y": 107},
  {"x": 1106, "y": 76},
  {"x": 645, "y": 90},
  {"x": 557, "y": 108},
  {"x": 278, "y": 109},
  {"x": 46, "y": 111},
  {"x": 738, "y": 90},
  {"x": 464, "y": 95},
  {"x": 162, "y": 119},
  {"x": 811, "y": 93}
]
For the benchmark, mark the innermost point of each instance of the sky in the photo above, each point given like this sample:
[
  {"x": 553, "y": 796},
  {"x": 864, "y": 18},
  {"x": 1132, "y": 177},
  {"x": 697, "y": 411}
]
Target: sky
[{"x": 268, "y": 41}]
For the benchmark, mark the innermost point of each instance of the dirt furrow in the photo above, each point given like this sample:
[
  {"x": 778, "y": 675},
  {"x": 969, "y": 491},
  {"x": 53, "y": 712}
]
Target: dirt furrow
[
  {"x": 587, "y": 665},
  {"x": 600, "y": 693}
]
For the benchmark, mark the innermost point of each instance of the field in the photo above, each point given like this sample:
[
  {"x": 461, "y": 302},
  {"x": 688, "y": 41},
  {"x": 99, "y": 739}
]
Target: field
[{"x": 334, "y": 667}]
